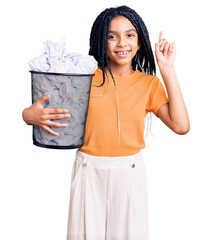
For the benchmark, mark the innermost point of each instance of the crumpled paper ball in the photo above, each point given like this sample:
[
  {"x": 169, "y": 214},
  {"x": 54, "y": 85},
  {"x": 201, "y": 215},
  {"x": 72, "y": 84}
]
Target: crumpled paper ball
[{"x": 57, "y": 59}]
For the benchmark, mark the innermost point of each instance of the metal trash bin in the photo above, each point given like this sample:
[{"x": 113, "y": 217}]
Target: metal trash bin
[{"x": 68, "y": 91}]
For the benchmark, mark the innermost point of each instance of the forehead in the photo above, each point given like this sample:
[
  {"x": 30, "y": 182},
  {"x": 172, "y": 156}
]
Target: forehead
[{"x": 120, "y": 23}]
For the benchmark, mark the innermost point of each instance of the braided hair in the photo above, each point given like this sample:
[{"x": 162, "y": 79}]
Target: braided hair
[{"x": 99, "y": 41}]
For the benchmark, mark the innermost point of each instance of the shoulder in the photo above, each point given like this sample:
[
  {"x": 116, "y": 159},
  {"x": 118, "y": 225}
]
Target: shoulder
[
  {"x": 98, "y": 71},
  {"x": 97, "y": 76},
  {"x": 146, "y": 79}
]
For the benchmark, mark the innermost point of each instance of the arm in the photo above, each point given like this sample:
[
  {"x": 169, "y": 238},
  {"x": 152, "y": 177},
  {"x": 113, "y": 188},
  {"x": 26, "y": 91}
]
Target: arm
[{"x": 174, "y": 114}]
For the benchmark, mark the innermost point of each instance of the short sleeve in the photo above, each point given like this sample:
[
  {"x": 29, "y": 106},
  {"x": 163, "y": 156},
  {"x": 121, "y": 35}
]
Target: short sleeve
[{"x": 157, "y": 96}]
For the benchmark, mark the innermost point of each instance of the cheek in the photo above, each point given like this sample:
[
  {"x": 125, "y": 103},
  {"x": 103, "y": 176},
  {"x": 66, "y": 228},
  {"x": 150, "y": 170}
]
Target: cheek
[
  {"x": 135, "y": 45},
  {"x": 135, "y": 48},
  {"x": 110, "y": 48}
]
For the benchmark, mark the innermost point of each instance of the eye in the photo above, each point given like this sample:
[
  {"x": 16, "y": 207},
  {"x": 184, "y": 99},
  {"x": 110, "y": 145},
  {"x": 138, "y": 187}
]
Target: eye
[
  {"x": 111, "y": 37},
  {"x": 130, "y": 35}
]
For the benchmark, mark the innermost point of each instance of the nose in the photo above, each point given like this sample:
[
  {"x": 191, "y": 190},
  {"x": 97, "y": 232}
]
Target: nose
[{"x": 122, "y": 42}]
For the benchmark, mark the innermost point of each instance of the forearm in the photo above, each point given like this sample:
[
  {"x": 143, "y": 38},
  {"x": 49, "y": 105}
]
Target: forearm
[
  {"x": 25, "y": 116},
  {"x": 177, "y": 110}
]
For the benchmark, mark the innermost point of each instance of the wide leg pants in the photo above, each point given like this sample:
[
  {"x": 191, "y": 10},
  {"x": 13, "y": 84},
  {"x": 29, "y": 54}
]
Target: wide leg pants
[{"x": 108, "y": 198}]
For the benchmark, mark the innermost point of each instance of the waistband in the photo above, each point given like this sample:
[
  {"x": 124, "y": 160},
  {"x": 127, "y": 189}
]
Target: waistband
[{"x": 105, "y": 162}]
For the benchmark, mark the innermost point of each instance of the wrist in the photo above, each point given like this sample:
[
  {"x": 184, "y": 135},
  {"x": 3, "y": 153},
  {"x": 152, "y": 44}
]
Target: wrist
[
  {"x": 167, "y": 69},
  {"x": 166, "y": 66}
]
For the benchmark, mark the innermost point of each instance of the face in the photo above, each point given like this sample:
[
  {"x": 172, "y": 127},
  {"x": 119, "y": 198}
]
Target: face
[{"x": 122, "y": 41}]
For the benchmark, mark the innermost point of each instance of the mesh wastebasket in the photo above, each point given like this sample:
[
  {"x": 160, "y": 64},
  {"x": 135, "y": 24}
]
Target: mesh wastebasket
[{"x": 68, "y": 91}]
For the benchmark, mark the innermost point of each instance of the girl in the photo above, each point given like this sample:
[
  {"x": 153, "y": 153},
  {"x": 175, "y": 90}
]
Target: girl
[{"x": 108, "y": 193}]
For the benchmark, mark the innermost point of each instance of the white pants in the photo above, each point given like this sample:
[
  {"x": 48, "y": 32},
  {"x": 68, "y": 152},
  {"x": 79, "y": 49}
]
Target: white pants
[{"x": 108, "y": 198}]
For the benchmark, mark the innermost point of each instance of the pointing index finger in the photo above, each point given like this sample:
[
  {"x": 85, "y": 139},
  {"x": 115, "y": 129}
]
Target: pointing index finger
[{"x": 161, "y": 35}]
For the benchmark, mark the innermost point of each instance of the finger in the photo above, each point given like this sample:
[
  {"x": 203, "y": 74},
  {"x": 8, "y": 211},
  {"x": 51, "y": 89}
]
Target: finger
[
  {"x": 161, "y": 35},
  {"x": 57, "y": 116},
  {"x": 54, "y": 124},
  {"x": 158, "y": 45},
  {"x": 172, "y": 46},
  {"x": 161, "y": 45},
  {"x": 49, "y": 130},
  {"x": 166, "y": 47},
  {"x": 43, "y": 99},
  {"x": 56, "y": 110}
]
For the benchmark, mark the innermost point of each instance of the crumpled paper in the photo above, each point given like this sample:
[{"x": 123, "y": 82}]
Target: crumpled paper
[{"x": 57, "y": 59}]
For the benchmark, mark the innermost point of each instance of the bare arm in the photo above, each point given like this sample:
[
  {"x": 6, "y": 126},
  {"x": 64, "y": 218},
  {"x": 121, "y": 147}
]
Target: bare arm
[{"x": 174, "y": 114}]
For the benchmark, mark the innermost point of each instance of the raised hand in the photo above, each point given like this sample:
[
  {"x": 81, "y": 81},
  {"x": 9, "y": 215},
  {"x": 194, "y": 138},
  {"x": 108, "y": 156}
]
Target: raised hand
[
  {"x": 36, "y": 114},
  {"x": 165, "y": 52}
]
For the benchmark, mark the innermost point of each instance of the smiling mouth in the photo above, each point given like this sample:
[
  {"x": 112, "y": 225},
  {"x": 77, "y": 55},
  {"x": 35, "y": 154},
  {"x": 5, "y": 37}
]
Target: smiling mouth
[{"x": 122, "y": 53}]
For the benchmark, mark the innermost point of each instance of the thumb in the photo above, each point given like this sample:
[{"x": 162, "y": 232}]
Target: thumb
[
  {"x": 158, "y": 45},
  {"x": 43, "y": 99}
]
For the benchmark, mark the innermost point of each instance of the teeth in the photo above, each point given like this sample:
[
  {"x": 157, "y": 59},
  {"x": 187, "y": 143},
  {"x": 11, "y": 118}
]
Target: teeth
[{"x": 123, "y": 52}]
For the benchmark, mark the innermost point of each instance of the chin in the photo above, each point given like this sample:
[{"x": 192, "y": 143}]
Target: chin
[{"x": 122, "y": 61}]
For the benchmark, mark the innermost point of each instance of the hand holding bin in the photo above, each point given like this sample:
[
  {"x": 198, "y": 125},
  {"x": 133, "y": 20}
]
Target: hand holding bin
[{"x": 68, "y": 91}]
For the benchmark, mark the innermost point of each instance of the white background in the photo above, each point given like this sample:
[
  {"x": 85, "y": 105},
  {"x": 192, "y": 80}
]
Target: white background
[{"x": 34, "y": 182}]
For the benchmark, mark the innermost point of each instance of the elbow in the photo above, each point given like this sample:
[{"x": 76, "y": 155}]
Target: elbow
[
  {"x": 24, "y": 117},
  {"x": 182, "y": 130}
]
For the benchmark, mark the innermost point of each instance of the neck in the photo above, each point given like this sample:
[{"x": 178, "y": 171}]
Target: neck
[{"x": 120, "y": 70}]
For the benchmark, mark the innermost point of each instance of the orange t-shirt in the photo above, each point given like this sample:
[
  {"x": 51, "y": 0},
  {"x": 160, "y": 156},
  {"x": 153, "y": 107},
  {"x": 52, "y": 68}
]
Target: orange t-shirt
[{"x": 138, "y": 93}]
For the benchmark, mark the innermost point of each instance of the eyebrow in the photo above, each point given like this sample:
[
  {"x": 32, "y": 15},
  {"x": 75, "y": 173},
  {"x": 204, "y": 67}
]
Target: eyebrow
[{"x": 125, "y": 31}]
